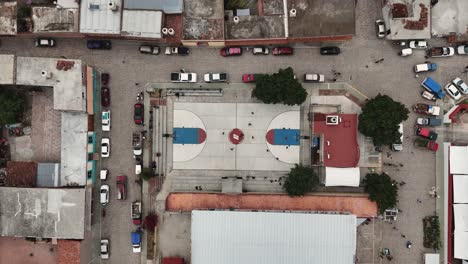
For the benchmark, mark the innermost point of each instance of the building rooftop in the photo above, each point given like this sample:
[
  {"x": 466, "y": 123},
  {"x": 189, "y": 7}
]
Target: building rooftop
[
  {"x": 42, "y": 213},
  {"x": 7, "y": 68},
  {"x": 21, "y": 174},
  {"x": 8, "y": 18},
  {"x": 142, "y": 23},
  {"x": 65, "y": 76},
  {"x": 339, "y": 147},
  {"x": 74, "y": 149},
  {"x": 68, "y": 251},
  {"x": 407, "y": 20},
  {"x": 317, "y": 18},
  {"x": 450, "y": 17},
  {"x": 203, "y": 19},
  {"x": 267, "y": 237},
  {"x": 51, "y": 19},
  {"x": 96, "y": 16},
  {"x": 167, "y": 6},
  {"x": 48, "y": 174}
]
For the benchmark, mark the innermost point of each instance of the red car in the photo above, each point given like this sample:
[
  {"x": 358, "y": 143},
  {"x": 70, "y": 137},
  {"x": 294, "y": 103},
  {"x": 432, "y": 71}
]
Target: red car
[
  {"x": 283, "y": 51},
  {"x": 105, "y": 96},
  {"x": 250, "y": 77},
  {"x": 138, "y": 113},
  {"x": 231, "y": 51},
  {"x": 122, "y": 187}
]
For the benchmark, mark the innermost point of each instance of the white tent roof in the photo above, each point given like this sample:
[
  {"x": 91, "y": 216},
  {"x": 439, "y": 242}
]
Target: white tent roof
[
  {"x": 460, "y": 212},
  {"x": 460, "y": 188},
  {"x": 231, "y": 237},
  {"x": 460, "y": 245},
  {"x": 458, "y": 160},
  {"x": 342, "y": 176}
]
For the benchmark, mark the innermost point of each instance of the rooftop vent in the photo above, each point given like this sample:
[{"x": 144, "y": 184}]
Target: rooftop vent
[
  {"x": 236, "y": 20},
  {"x": 46, "y": 74},
  {"x": 333, "y": 120},
  {"x": 164, "y": 31},
  {"x": 292, "y": 12},
  {"x": 112, "y": 6}
]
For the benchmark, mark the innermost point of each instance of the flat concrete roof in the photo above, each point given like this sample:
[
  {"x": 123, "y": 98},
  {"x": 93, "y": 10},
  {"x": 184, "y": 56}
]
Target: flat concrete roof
[
  {"x": 316, "y": 18},
  {"x": 7, "y": 66},
  {"x": 142, "y": 23},
  {"x": 254, "y": 152},
  {"x": 74, "y": 149},
  {"x": 8, "y": 18},
  {"x": 203, "y": 19},
  {"x": 417, "y": 23},
  {"x": 255, "y": 27},
  {"x": 51, "y": 19},
  {"x": 69, "y": 92},
  {"x": 43, "y": 213},
  {"x": 168, "y": 6},
  {"x": 450, "y": 17},
  {"x": 67, "y": 4},
  {"x": 100, "y": 19}
]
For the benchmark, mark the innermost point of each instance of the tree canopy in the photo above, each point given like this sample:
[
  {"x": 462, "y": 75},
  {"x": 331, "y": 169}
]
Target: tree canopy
[
  {"x": 382, "y": 190},
  {"x": 12, "y": 105},
  {"x": 300, "y": 180},
  {"x": 380, "y": 118},
  {"x": 280, "y": 87}
]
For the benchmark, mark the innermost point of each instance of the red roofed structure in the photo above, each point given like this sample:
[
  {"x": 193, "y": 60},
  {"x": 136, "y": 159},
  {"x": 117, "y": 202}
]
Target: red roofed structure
[
  {"x": 338, "y": 139},
  {"x": 173, "y": 260}
]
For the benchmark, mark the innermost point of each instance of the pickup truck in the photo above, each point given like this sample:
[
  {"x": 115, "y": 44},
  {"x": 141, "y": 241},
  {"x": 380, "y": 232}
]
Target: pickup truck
[
  {"x": 425, "y": 67},
  {"x": 425, "y": 132},
  {"x": 215, "y": 77},
  {"x": 136, "y": 213},
  {"x": 441, "y": 52},
  {"x": 431, "y": 145},
  {"x": 121, "y": 187},
  {"x": 177, "y": 51},
  {"x": 182, "y": 77},
  {"x": 426, "y": 109},
  {"x": 136, "y": 144},
  {"x": 433, "y": 87},
  {"x": 136, "y": 241},
  {"x": 431, "y": 121}
]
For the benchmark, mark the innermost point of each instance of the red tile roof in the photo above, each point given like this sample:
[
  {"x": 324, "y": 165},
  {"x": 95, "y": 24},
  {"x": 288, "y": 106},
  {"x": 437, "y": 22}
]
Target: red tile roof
[
  {"x": 68, "y": 251},
  {"x": 340, "y": 146},
  {"x": 21, "y": 174}
]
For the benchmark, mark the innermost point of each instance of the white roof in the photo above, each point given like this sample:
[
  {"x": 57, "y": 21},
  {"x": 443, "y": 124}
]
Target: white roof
[
  {"x": 342, "y": 176},
  {"x": 7, "y": 65},
  {"x": 231, "y": 237},
  {"x": 460, "y": 188},
  {"x": 144, "y": 24},
  {"x": 458, "y": 160},
  {"x": 96, "y": 17},
  {"x": 460, "y": 245},
  {"x": 431, "y": 258},
  {"x": 460, "y": 213}
]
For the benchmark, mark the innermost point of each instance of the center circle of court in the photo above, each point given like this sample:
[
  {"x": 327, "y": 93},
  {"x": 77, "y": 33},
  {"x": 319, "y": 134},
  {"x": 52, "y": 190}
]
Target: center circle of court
[{"x": 236, "y": 136}]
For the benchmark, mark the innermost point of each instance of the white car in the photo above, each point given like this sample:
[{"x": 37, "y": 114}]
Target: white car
[
  {"x": 104, "y": 248},
  {"x": 105, "y": 194},
  {"x": 462, "y": 50},
  {"x": 260, "y": 51},
  {"x": 418, "y": 44},
  {"x": 461, "y": 85},
  {"x": 105, "y": 148},
  {"x": 399, "y": 146},
  {"x": 405, "y": 52},
  {"x": 453, "y": 91},
  {"x": 106, "y": 120},
  {"x": 104, "y": 174},
  {"x": 215, "y": 77},
  {"x": 314, "y": 77},
  {"x": 380, "y": 27}
]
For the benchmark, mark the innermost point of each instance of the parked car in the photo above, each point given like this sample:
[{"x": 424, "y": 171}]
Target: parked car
[
  {"x": 314, "y": 78},
  {"x": 462, "y": 49},
  {"x": 250, "y": 77},
  {"x": 183, "y": 77},
  {"x": 103, "y": 175},
  {"x": 441, "y": 52},
  {"x": 452, "y": 91},
  {"x": 105, "y": 77},
  {"x": 398, "y": 146},
  {"x": 99, "y": 44},
  {"x": 148, "y": 49},
  {"x": 183, "y": 51},
  {"x": 105, "y": 96},
  {"x": 283, "y": 51},
  {"x": 260, "y": 51},
  {"x": 215, "y": 77},
  {"x": 138, "y": 113},
  {"x": 380, "y": 28},
  {"x": 425, "y": 132},
  {"x": 405, "y": 52},
  {"x": 44, "y": 42},
  {"x": 121, "y": 187},
  {"x": 105, "y": 194},
  {"x": 231, "y": 51},
  {"x": 424, "y": 67},
  {"x": 104, "y": 248},
  {"x": 330, "y": 50},
  {"x": 105, "y": 147},
  {"x": 429, "y": 96},
  {"x": 418, "y": 44},
  {"x": 429, "y": 121},
  {"x": 461, "y": 85},
  {"x": 106, "y": 120}
]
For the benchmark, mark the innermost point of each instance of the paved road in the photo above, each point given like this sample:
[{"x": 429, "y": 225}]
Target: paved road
[{"x": 393, "y": 76}]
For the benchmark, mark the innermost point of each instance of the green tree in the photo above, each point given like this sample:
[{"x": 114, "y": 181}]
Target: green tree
[
  {"x": 280, "y": 87},
  {"x": 380, "y": 118},
  {"x": 234, "y": 4},
  {"x": 12, "y": 105},
  {"x": 382, "y": 190},
  {"x": 300, "y": 180},
  {"x": 147, "y": 174}
]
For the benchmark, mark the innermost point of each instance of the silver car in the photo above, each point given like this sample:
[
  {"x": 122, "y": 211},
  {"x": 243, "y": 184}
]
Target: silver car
[{"x": 461, "y": 85}]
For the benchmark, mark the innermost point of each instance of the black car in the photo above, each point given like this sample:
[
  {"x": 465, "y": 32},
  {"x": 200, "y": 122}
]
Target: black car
[
  {"x": 99, "y": 44},
  {"x": 330, "y": 50},
  {"x": 105, "y": 96}
]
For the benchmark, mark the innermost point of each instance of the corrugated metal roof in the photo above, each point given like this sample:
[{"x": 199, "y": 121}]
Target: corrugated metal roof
[
  {"x": 145, "y": 24},
  {"x": 48, "y": 174},
  {"x": 97, "y": 17},
  {"x": 231, "y": 237},
  {"x": 168, "y": 6}
]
